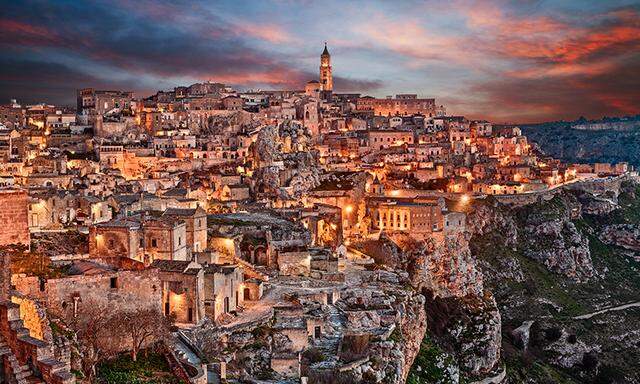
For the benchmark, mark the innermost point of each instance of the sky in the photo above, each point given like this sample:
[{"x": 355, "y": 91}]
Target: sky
[{"x": 507, "y": 61}]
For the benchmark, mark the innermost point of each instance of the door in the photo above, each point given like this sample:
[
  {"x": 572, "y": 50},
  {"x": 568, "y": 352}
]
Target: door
[
  {"x": 226, "y": 305},
  {"x": 247, "y": 294}
]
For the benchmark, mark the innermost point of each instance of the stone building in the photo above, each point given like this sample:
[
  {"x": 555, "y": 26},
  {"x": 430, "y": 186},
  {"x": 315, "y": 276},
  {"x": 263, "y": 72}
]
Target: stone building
[
  {"x": 400, "y": 105},
  {"x": 141, "y": 237},
  {"x": 91, "y": 103},
  {"x": 379, "y": 139},
  {"x": 406, "y": 215},
  {"x": 196, "y": 226},
  {"x": 224, "y": 290},
  {"x": 92, "y": 282},
  {"x": 182, "y": 289},
  {"x": 14, "y": 217}
]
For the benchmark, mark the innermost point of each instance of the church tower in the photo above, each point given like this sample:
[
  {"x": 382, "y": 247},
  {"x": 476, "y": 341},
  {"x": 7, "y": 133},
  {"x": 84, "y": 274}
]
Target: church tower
[{"x": 326, "y": 79}]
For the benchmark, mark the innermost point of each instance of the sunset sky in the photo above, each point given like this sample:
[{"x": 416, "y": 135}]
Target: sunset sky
[{"x": 520, "y": 61}]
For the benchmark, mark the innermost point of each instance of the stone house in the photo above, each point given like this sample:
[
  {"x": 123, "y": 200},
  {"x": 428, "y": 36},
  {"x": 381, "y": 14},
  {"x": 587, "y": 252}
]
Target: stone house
[
  {"x": 164, "y": 238},
  {"x": 294, "y": 260},
  {"x": 196, "y": 226},
  {"x": 92, "y": 282},
  {"x": 224, "y": 289},
  {"x": 235, "y": 192},
  {"x": 141, "y": 237},
  {"x": 183, "y": 291}
]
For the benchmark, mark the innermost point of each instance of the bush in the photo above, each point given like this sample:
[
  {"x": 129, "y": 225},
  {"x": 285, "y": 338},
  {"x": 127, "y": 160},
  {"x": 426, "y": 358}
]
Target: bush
[
  {"x": 609, "y": 375},
  {"x": 313, "y": 355}
]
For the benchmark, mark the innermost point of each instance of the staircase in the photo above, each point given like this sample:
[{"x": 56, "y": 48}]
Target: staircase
[{"x": 22, "y": 374}]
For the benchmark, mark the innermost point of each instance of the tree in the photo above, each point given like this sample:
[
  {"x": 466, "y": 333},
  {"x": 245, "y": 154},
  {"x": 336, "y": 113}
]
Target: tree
[
  {"x": 142, "y": 326},
  {"x": 95, "y": 329}
]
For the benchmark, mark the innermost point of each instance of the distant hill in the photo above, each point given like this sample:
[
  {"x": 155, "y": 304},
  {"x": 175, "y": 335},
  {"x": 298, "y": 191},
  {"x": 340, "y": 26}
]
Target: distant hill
[{"x": 609, "y": 140}]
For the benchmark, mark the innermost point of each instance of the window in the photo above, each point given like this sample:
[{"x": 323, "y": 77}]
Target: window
[
  {"x": 113, "y": 282},
  {"x": 154, "y": 242},
  {"x": 179, "y": 240},
  {"x": 142, "y": 242},
  {"x": 111, "y": 243}
]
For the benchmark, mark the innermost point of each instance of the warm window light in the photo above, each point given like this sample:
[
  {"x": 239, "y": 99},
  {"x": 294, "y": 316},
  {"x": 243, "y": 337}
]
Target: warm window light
[
  {"x": 348, "y": 209},
  {"x": 465, "y": 199}
]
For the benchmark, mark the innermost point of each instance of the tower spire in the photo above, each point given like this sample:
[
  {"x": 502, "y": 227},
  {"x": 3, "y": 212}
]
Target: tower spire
[{"x": 326, "y": 78}]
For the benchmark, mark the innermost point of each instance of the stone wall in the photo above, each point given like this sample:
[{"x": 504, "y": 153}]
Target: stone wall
[
  {"x": 294, "y": 263},
  {"x": 25, "y": 350},
  {"x": 33, "y": 318},
  {"x": 133, "y": 289},
  {"x": 286, "y": 365},
  {"x": 14, "y": 217},
  {"x": 183, "y": 294}
]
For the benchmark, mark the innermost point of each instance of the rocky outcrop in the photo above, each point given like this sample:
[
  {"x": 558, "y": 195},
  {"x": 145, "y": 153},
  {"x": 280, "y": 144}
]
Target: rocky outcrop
[
  {"x": 598, "y": 206},
  {"x": 486, "y": 218},
  {"x": 561, "y": 248},
  {"x": 621, "y": 235},
  {"x": 521, "y": 334},
  {"x": 470, "y": 327},
  {"x": 390, "y": 357},
  {"x": 285, "y": 164},
  {"x": 550, "y": 237}
]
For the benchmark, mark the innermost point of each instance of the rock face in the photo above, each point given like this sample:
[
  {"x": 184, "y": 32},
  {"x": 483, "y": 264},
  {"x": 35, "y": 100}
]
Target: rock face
[
  {"x": 552, "y": 239},
  {"x": 622, "y": 235},
  {"x": 471, "y": 326},
  {"x": 522, "y": 333},
  {"x": 285, "y": 163},
  {"x": 389, "y": 359},
  {"x": 448, "y": 269},
  {"x": 561, "y": 248},
  {"x": 442, "y": 264},
  {"x": 463, "y": 319},
  {"x": 575, "y": 255},
  {"x": 491, "y": 217}
]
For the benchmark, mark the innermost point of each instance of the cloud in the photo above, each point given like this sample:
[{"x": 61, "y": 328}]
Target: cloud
[
  {"x": 344, "y": 84},
  {"x": 508, "y": 60},
  {"x": 34, "y": 81}
]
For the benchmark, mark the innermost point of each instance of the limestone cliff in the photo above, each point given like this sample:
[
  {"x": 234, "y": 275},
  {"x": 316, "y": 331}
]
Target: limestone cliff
[
  {"x": 463, "y": 319},
  {"x": 622, "y": 235},
  {"x": 284, "y": 162},
  {"x": 571, "y": 254}
]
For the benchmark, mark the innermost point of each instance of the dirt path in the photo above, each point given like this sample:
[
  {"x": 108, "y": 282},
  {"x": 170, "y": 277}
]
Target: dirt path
[{"x": 618, "y": 308}]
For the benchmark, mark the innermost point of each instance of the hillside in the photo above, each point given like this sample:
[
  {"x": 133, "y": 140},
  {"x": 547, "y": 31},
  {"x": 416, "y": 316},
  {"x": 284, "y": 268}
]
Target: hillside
[
  {"x": 551, "y": 265},
  {"x": 591, "y": 143}
]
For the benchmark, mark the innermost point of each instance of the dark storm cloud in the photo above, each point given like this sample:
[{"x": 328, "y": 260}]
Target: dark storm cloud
[
  {"x": 160, "y": 40},
  {"x": 28, "y": 81}
]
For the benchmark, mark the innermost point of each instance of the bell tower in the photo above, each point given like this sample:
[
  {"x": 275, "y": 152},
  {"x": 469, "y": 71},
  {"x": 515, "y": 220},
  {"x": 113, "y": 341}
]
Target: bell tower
[{"x": 326, "y": 78}]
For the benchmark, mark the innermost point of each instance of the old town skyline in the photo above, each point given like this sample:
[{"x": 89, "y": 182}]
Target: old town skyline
[{"x": 354, "y": 222}]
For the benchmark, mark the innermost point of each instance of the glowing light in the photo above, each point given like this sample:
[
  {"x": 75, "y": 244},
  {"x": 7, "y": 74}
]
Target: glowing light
[
  {"x": 465, "y": 199},
  {"x": 348, "y": 208},
  {"x": 395, "y": 192}
]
